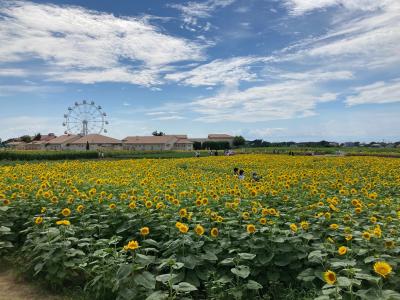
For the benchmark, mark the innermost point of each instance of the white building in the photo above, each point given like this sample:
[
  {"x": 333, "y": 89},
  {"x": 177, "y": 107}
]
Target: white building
[
  {"x": 158, "y": 143},
  {"x": 96, "y": 142},
  {"x": 215, "y": 138},
  {"x": 62, "y": 142}
]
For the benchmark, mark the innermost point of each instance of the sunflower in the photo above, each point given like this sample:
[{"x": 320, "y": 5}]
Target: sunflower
[
  {"x": 132, "y": 245},
  {"x": 183, "y": 228},
  {"x": 293, "y": 227},
  {"x": 148, "y": 204},
  {"x": 144, "y": 231},
  {"x": 66, "y": 212},
  {"x": 330, "y": 277},
  {"x": 183, "y": 212},
  {"x": 342, "y": 250},
  {"x": 366, "y": 235},
  {"x": 245, "y": 215},
  {"x": 382, "y": 268},
  {"x": 199, "y": 230},
  {"x": 305, "y": 225},
  {"x": 334, "y": 226},
  {"x": 348, "y": 237},
  {"x": 80, "y": 208},
  {"x": 132, "y": 204},
  {"x": 38, "y": 220},
  {"x": 389, "y": 244},
  {"x": 263, "y": 221},
  {"x": 63, "y": 222},
  {"x": 251, "y": 228},
  {"x": 214, "y": 232}
]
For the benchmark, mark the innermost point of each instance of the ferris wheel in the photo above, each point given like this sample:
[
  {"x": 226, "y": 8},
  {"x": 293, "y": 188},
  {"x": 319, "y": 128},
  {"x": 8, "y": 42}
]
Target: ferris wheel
[{"x": 85, "y": 117}]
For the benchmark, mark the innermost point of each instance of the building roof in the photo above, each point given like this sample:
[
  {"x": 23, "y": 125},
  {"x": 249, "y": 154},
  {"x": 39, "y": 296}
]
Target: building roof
[
  {"x": 38, "y": 142},
  {"x": 16, "y": 143},
  {"x": 164, "y": 139},
  {"x": 179, "y": 136},
  {"x": 183, "y": 141},
  {"x": 219, "y": 136},
  {"x": 47, "y": 137},
  {"x": 63, "y": 139},
  {"x": 96, "y": 139}
]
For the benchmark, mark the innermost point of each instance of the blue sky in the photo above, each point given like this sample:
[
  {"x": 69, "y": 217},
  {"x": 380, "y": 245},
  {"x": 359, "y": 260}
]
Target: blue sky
[{"x": 279, "y": 70}]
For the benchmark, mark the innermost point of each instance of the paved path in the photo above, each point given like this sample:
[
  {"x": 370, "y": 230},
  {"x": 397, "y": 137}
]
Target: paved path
[{"x": 12, "y": 288}]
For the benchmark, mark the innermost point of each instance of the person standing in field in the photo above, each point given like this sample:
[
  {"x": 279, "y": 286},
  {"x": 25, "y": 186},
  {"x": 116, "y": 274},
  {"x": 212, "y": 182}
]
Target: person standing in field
[
  {"x": 235, "y": 171},
  {"x": 241, "y": 175}
]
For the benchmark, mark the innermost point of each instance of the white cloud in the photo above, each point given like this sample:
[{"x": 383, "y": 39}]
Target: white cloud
[
  {"x": 192, "y": 11},
  {"x": 13, "y": 72},
  {"x": 359, "y": 42},
  {"x": 283, "y": 100},
  {"x": 219, "y": 71},
  {"x": 378, "y": 92},
  {"x": 299, "y": 7},
  {"x": 168, "y": 118},
  {"x": 7, "y": 90},
  {"x": 316, "y": 75},
  {"x": 88, "y": 46},
  {"x": 26, "y": 125},
  {"x": 261, "y": 133}
]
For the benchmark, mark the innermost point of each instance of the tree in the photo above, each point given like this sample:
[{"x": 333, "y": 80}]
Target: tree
[
  {"x": 196, "y": 146},
  {"x": 87, "y": 145},
  {"x": 238, "y": 141},
  {"x": 26, "y": 138},
  {"x": 37, "y": 137},
  {"x": 156, "y": 133}
]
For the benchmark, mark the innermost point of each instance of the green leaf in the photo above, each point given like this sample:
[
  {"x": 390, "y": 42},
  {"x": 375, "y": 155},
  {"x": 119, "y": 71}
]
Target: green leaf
[
  {"x": 38, "y": 267},
  {"x": 177, "y": 265},
  {"x": 192, "y": 278},
  {"x": 368, "y": 277},
  {"x": 144, "y": 259},
  {"x": 151, "y": 243},
  {"x": 343, "y": 263},
  {"x": 209, "y": 256},
  {"x": 241, "y": 271},
  {"x": 390, "y": 295},
  {"x": 184, "y": 287},
  {"x": 158, "y": 295},
  {"x": 124, "y": 271},
  {"x": 343, "y": 281},
  {"x": 146, "y": 279},
  {"x": 316, "y": 256},
  {"x": 4, "y": 229},
  {"x": 265, "y": 257},
  {"x": 165, "y": 277},
  {"x": 253, "y": 285},
  {"x": 307, "y": 275},
  {"x": 248, "y": 256},
  {"x": 227, "y": 261},
  {"x": 273, "y": 276},
  {"x": 190, "y": 261},
  {"x": 225, "y": 279},
  {"x": 75, "y": 252}
]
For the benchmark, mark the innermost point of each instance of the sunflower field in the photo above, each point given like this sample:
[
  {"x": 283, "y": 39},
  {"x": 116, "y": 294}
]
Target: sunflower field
[{"x": 305, "y": 228}]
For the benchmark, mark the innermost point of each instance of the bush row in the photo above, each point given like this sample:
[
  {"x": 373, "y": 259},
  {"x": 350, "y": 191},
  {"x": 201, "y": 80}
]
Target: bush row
[{"x": 47, "y": 155}]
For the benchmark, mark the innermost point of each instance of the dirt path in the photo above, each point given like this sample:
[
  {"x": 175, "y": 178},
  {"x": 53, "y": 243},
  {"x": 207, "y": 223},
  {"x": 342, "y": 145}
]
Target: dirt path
[{"x": 11, "y": 288}]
